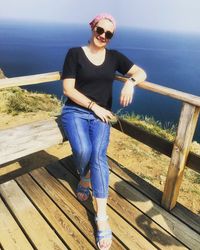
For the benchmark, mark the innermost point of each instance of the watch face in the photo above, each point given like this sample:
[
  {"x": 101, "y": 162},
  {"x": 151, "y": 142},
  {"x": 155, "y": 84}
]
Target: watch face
[{"x": 132, "y": 79}]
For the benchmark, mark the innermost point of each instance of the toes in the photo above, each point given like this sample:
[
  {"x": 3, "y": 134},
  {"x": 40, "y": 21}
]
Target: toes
[
  {"x": 82, "y": 196},
  {"x": 105, "y": 244}
]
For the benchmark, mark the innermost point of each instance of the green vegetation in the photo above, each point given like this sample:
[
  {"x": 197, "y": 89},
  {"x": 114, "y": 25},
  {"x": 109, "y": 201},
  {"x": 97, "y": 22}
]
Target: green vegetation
[
  {"x": 167, "y": 131},
  {"x": 16, "y": 100},
  {"x": 149, "y": 124}
]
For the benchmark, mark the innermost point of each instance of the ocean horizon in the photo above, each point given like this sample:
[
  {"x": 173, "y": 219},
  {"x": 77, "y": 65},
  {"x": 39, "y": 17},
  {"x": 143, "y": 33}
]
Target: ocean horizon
[{"x": 170, "y": 59}]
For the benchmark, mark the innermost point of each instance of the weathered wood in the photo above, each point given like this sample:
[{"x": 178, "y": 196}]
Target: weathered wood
[
  {"x": 16, "y": 143},
  {"x": 121, "y": 182},
  {"x": 135, "y": 210},
  {"x": 83, "y": 219},
  {"x": 54, "y": 76},
  {"x": 156, "y": 142},
  {"x": 156, "y": 213},
  {"x": 40, "y": 233},
  {"x": 127, "y": 234},
  {"x": 186, "y": 128},
  {"x": 175, "y": 94},
  {"x": 181, "y": 213},
  {"x": 27, "y": 139},
  {"x": 11, "y": 235},
  {"x": 56, "y": 218},
  {"x": 29, "y": 80},
  {"x": 146, "y": 226}
]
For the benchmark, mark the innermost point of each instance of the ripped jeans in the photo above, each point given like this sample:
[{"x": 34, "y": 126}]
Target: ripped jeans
[{"x": 89, "y": 139}]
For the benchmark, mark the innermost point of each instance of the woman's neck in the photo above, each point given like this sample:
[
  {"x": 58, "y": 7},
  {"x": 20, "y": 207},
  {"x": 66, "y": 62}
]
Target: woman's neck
[{"x": 94, "y": 49}]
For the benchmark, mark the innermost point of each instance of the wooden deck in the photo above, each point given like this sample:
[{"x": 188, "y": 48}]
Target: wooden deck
[{"x": 39, "y": 210}]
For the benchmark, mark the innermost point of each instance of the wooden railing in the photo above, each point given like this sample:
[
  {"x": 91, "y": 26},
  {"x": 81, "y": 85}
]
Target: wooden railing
[{"x": 27, "y": 139}]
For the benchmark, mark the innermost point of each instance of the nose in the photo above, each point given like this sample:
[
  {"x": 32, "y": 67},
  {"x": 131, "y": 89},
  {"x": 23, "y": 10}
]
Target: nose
[{"x": 103, "y": 35}]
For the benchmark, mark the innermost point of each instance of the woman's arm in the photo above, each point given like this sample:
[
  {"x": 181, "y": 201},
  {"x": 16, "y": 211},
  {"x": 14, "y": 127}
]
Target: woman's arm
[
  {"x": 138, "y": 75},
  {"x": 76, "y": 96}
]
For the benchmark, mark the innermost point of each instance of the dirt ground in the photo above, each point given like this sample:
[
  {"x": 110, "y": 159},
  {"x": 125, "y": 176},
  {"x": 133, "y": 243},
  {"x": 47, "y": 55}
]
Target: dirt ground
[{"x": 139, "y": 158}]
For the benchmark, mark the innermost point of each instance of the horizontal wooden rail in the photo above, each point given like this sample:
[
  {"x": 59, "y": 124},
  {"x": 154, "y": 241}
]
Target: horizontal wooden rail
[
  {"x": 55, "y": 76},
  {"x": 29, "y": 80},
  {"x": 175, "y": 94},
  {"x": 155, "y": 142}
]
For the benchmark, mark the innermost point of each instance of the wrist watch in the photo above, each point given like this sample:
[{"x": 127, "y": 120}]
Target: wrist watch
[{"x": 133, "y": 80}]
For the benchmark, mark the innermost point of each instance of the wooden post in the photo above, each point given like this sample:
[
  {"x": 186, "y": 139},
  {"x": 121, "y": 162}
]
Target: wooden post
[{"x": 185, "y": 132}]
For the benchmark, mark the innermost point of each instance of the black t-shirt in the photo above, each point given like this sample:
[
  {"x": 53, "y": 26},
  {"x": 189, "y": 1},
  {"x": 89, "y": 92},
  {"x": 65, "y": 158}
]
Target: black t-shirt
[{"x": 93, "y": 81}]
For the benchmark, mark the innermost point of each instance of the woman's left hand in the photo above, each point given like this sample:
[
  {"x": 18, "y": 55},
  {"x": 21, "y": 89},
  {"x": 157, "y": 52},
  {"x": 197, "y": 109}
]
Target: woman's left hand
[{"x": 127, "y": 92}]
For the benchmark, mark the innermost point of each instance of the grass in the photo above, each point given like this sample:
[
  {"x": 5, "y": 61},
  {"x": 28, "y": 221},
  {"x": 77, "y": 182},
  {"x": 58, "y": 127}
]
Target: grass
[
  {"x": 16, "y": 100},
  {"x": 167, "y": 131},
  {"x": 149, "y": 124}
]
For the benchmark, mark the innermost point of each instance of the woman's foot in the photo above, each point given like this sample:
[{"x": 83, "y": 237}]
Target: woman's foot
[
  {"x": 104, "y": 233},
  {"x": 83, "y": 189}
]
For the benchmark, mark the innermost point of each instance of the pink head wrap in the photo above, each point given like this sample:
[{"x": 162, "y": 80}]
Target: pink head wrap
[{"x": 102, "y": 16}]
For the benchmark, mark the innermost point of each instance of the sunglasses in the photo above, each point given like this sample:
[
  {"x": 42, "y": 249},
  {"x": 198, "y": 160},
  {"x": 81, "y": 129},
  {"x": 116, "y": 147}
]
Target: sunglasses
[{"x": 100, "y": 31}]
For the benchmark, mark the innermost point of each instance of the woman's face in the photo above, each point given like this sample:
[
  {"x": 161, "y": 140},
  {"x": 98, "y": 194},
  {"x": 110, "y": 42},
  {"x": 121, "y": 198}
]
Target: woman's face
[{"x": 102, "y": 39}]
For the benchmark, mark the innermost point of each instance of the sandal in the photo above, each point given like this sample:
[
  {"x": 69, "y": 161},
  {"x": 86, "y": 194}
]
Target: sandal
[
  {"x": 103, "y": 234},
  {"x": 83, "y": 190}
]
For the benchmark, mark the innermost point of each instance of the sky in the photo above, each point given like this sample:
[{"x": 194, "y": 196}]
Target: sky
[{"x": 166, "y": 15}]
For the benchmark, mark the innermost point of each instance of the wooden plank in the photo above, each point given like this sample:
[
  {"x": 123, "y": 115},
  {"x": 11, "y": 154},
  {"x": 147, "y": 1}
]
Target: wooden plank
[
  {"x": 37, "y": 229},
  {"x": 29, "y": 80},
  {"x": 54, "y": 76},
  {"x": 154, "y": 141},
  {"x": 185, "y": 132},
  {"x": 123, "y": 182},
  {"x": 193, "y": 162},
  {"x": 160, "y": 144},
  {"x": 182, "y": 213},
  {"x": 83, "y": 218},
  {"x": 27, "y": 139},
  {"x": 175, "y": 94},
  {"x": 11, "y": 235},
  {"x": 61, "y": 224},
  {"x": 170, "y": 223},
  {"x": 148, "y": 228},
  {"x": 121, "y": 228}
]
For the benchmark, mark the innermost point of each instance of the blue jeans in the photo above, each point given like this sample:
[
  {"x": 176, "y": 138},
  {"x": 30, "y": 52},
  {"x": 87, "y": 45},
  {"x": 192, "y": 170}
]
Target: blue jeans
[{"x": 89, "y": 139}]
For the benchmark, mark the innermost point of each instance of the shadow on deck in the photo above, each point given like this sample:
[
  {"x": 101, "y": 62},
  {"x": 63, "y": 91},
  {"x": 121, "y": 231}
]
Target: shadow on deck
[{"x": 39, "y": 210}]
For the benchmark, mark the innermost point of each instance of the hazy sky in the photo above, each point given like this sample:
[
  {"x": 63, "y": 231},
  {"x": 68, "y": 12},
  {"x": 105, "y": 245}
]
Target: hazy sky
[{"x": 182, "y": 15}]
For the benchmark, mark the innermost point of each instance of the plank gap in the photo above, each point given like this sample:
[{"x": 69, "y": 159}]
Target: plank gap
[
  {"x": 18, "y": 222},
  {"x": 40, "y": 212},
  {"x": 69, "y": 167}
]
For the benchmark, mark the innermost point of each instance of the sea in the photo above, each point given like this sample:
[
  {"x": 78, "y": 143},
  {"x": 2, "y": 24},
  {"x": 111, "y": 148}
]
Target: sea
[{"x": 170, "y": 59}]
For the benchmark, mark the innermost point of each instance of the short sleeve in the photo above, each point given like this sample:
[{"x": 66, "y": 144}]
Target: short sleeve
[
  {"x": 70, "y": 65},
  {"x": 123, "y": 63}
]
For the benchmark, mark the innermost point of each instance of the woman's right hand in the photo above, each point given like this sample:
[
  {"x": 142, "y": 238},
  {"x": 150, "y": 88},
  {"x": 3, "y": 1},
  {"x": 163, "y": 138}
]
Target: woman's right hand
[{"x": 104, "y": 114}]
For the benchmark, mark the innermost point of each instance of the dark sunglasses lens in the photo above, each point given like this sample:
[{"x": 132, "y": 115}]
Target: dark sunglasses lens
[
  {"x": 108, "y": 35},
  {"x": 100, "y": 30}
]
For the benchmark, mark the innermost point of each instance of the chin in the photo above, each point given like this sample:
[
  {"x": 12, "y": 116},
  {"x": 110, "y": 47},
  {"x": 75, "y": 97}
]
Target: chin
[{"x": 100, "y": 44}]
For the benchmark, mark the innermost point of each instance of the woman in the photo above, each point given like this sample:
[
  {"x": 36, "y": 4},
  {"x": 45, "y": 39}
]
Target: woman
[{"x": 88, "y": 73}]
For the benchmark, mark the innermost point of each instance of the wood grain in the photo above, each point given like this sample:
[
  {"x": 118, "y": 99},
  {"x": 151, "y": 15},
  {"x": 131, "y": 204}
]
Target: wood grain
[
  {"x": 11, "y": 235},
  {"x": 58, "y": 220},
  {"x": 187, "y": 124},
  {"x": 40, "y": 233},
  {"x": 54, "y": 76},
  {"x": 27, "y": 139},
  {"x": 29, "y": 80}
]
